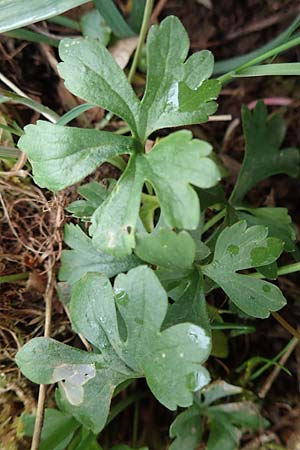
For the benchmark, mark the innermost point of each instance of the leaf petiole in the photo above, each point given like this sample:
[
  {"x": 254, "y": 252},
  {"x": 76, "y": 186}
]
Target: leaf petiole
[{"x": 215, "y": 219}]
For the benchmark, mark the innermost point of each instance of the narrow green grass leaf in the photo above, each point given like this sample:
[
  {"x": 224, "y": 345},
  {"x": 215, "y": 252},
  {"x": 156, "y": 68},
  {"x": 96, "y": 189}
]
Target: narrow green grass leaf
[
  {"x": 74, "y": 113},
  {"x": 18, "y": 13},
  {"x": 32, "y": 36},
  {"x": 269, "y": 70}
]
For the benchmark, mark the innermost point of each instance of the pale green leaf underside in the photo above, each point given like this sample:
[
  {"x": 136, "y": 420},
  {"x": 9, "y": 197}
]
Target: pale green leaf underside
[
  {"x": 239, "y": 248},
  {"x": 173, "y": 165},
  {"x": 84, "y": 258},
  {"x": 61, "y": 156},
  {"x": 16, "y": 13},
  {"x": 263, "y": 157}
]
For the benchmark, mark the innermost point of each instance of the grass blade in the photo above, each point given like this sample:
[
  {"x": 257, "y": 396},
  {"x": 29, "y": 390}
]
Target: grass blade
[
  {"x": 31, "y": 36},
  {"x": 230, "y": 64},
  {"x": 15, "y": 14},
  {"x": 73, "y": 113},
  {"x": 114, "y": 18},
  {"x": 270, "y": 70},
  {"x": 7, "y": 96}
]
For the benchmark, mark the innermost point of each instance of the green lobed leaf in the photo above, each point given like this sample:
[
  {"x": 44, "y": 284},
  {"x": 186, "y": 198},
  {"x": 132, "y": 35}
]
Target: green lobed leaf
[
  {"x": 263, "y": 158},
  {"x": 190, "y": 304},
  {"x": 45, "y": 361},
  {"x": 166, "y": 249},
  {"x": 217, "y": 390},
  {"x": 172, "y": 360},
  {"x": 58, "y": 429},
  {"x": 114, "y": 18},
  {"x": 175, "y": 163},
  {"x": 93, "y": 25},
  {"x": 239, "y": 248},
  {"x": 277, "y": 220},
  {"x": 186, "y": 430},
  {"x": 177, "y": 92},
  {"x": 84, "y": 258},
  {"x": 70, "y": 153},
  {"x": 90, "y": 72},
  {"x": 223, "y": 434},
  {"x": 183, "y": 346},
  {"x": 94, "y": 194}
]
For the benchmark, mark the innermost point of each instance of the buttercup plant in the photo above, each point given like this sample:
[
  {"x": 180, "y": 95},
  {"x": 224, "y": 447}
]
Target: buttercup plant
[{"x": 146, "y": 229}]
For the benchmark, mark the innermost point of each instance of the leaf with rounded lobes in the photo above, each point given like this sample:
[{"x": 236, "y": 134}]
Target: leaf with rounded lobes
[
  {"x": 190, "y": 304},
  {"x": 84, "y": 258},
  {"x": 45, "y": 361},
  {"x": 94, "y": 194},
  {"x": 239, "y": 248},
  {"x": 217, "y": 390},
  {"x": 277, "y": 220},
  {"x": 61, "y": 156},
  {"x": 243, "y": 414},
  {"x": 170, "y": 359},
  {"x": 91, "y": 73},
  {"x": 263, "y": 158},
  {"x": 223, "y": 434},
  {"x": 58, "y": 429},
  {"x": 177, "y": 91},
  {"x": 93, "y": 25},
  {"x": 125, "y": 447},
  {"x": 114, "y": 222},
  {"x": 175, "y": 163},
  {"x": 186, "y": 430},
  {"x": 166, "y": 249}
]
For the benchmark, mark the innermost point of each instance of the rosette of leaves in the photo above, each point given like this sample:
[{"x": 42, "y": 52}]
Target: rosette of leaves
[
  {"x": 124, "y": 326},
  {"x": 225, "y": 421},
  {"x": 178, "y": 92}
]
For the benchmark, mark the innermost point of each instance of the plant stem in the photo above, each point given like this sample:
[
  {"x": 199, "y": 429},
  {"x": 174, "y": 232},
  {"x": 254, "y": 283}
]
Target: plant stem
[
  {"x": 35, "y": 444},
  {"x": 284, "y": 270},
  {"x": 210, "y": 223},
  {"x": 274, "y": 51},
  {"x": 142, "y": 37},
  {"x": 14, "y": 277},
  {"x": 273, "y": 375}
]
